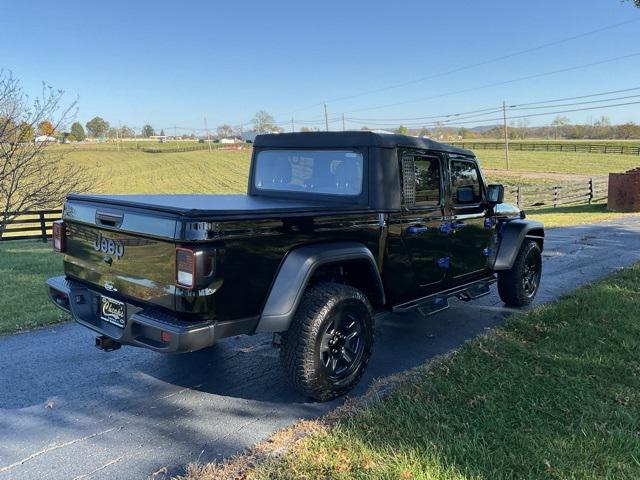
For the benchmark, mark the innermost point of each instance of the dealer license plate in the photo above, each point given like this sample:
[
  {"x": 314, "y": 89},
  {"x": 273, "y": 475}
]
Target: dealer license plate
[{"x": 112, "y": 311}]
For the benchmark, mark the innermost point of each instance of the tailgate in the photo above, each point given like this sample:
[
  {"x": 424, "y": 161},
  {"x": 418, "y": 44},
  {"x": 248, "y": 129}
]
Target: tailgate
[{"x": 114, "y": 250}]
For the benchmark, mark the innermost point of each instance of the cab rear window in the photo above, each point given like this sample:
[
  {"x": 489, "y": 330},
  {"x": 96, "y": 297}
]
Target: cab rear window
[{"x": 324, "y": 172}]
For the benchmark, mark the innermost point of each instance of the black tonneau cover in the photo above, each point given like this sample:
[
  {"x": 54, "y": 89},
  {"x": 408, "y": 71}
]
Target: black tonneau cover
[{"x": 216, "y": 206}]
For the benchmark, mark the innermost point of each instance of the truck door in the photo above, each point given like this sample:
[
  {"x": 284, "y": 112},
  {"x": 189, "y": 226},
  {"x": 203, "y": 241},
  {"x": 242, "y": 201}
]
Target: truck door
[
  {"x": 471, "y": 227},
  {"x": 423, "y": 215}
]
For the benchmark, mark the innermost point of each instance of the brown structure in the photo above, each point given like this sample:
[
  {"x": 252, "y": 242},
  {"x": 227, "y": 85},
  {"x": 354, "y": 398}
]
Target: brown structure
[{"x": 624, "y": 191}]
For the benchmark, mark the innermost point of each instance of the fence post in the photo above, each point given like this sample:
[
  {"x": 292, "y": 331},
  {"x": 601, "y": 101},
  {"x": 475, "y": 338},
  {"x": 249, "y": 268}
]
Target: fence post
[
  {"x": 556, "y": 196},
  {"x": 518, "y": 197},
  {"x": 43, "y": 227},
  {"x": 591, "y": 191}
]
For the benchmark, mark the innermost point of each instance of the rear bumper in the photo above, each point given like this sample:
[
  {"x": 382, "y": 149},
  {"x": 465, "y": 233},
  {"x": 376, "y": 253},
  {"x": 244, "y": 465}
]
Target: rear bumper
[{"x": 144, "y": 326}]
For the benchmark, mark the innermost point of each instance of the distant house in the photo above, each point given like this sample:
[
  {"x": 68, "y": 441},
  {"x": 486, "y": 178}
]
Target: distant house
[
  {"x": 45, "y": 139},
  {"x": 227, "y": 140}
]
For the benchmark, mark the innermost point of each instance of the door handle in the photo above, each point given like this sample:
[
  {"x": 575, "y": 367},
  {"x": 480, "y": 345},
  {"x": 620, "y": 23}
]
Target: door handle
[
  {"x": 458, "y": 225},
  {"x": 416, "y": 229}
]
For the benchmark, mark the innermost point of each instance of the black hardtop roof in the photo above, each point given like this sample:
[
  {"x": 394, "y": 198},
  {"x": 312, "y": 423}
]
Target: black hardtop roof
[{"x": 352, "y": 139}]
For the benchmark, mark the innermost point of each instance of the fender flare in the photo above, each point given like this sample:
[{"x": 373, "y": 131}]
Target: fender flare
[
  {"x": 512, "y": 234},
  {"x": 295, "y": 272}
]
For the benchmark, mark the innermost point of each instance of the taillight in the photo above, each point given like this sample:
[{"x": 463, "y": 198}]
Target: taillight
[
  {"x": 58, "y": 236},
  {"x": 194, "y": 268},
  {"x": 185, "y": 267}
]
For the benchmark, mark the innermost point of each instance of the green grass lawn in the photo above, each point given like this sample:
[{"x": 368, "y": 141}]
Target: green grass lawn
[
  {"x": 24, "y": 267},
  {"x": 553, "y": 394},
  {"x": 184, "y": 172},
  {"x": 559, "y": 162},
  {"x": 573, "y": 215}
]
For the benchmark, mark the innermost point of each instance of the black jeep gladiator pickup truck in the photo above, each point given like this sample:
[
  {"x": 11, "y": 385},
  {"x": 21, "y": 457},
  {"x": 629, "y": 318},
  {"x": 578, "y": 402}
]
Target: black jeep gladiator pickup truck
[{"x": 335, "y": 227}]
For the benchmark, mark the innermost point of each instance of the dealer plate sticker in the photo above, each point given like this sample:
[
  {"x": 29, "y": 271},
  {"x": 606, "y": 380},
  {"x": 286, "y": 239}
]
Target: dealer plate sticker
[{"x": 112, "y": 311}]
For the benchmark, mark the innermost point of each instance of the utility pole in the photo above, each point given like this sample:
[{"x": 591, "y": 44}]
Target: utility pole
[
  {"x": 343, "y": 129},
  {"x": 175, "y": 134},
  {"x": 117, "y": 139},
  {"x": 506, "y": 134},
  {"x": 326, "y": 118},
  {"x": 206, "y": 129},
  {"x": 293, "y": 127}
]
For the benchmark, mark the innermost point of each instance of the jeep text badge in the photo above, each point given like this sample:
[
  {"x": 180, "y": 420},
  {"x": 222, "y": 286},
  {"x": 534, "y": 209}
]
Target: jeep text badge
[{"x": 111, "y": 247}]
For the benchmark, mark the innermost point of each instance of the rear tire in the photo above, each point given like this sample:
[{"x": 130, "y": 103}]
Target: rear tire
[
  {"x": 518, "y": 287},
  {"x": 327, "y": 348}
]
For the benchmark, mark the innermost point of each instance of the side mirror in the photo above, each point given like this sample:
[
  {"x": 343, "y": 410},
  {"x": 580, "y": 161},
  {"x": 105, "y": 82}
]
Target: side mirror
[
  {"x": 464, "y": 195},
  {"x": 495, "y": 194}
]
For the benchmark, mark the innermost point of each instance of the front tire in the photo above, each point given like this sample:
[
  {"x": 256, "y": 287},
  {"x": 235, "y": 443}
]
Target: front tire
[
  {"x": 327, "y": 348},
  {"x": 518, "y": 287}
]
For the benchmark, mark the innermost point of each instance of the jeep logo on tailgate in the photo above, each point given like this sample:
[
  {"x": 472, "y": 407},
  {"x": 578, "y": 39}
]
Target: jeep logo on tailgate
[{"x": 111, "y": 247}]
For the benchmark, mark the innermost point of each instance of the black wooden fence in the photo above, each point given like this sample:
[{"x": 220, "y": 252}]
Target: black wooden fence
[
  {"x": 34, "y": 225},
  {"x": 553, "y": 147}
]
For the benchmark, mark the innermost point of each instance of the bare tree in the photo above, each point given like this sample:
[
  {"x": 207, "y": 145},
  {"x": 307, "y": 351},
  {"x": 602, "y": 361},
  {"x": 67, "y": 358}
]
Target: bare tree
[
  {"x": 33, "y": 175},
  {"x": 225, "y": 131},
  {"x": 263, "y": 122}
]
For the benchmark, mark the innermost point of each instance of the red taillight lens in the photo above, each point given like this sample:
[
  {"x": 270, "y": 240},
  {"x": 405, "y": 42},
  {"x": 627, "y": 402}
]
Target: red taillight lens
[
  {"x": 58, "y": 236},
  {"x": 185, "y": 267}
]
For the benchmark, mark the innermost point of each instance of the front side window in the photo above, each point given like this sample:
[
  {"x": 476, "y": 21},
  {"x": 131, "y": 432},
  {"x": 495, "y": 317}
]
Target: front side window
[
  {"x": 324, "y": 172},
  {"x": 465, "y": 182}
]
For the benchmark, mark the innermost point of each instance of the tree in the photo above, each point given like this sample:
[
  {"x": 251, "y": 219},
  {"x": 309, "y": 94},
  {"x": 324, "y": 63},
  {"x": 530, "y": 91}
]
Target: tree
[
  {"x": 77, "y": 131},
  {"x": 161, "y": 133},
  {"x": 32, "y": 175},
  {"x": 628, "y": 130},
  {"x": 402, "y": 130},
  {"x": 225, "y": 131},
  {"x": 25, "y": 132},
  {"x": 127, "y": 132},
  {"x": 148, "y": 131},
  {"x": 635, "y": 2},
  {"x": 559, "y": 123},
  {"x": 97, "y": 127},
  {"x": 264, "y": 122},
  {"x": 46, "y": 128}
]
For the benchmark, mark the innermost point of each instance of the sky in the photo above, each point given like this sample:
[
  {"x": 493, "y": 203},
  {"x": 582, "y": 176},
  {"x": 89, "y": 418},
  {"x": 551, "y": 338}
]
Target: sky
[{"x": 174, "y": 63}]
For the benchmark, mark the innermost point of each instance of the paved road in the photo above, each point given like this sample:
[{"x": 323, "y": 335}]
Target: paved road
[{"x": 69, "y": 411}]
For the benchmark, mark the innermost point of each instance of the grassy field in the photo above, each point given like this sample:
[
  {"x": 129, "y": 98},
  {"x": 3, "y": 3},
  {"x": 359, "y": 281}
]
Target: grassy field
[
  {"x": 559, "y": 162},
  {"x": 553, "y": 394},
  {"x": 23, "y": 300},
  {"x": 185, "y": 172}
]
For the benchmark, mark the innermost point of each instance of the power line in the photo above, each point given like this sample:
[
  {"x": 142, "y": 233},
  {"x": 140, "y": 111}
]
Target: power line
[
  {"x": 505, "y": 82},
  {"x": 497, "y": 119},
  {"x": 610, "y": 92},
  {"x": 472, "y": 65},
  {"x": 492, "y": 109}
]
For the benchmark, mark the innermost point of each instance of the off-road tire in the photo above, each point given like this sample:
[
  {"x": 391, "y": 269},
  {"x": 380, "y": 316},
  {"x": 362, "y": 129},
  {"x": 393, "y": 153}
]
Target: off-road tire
[
  {"x": 510, "y": 282},
  {"x": 300, "y": 349}
]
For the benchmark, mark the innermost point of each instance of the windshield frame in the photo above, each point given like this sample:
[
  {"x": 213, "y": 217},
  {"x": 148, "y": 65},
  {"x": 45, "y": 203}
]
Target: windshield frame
[{"x": 360, "y": 199}]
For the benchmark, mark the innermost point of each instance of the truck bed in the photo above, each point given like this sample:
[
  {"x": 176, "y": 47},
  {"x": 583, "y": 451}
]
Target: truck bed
[{"x": 216, "y": 206}]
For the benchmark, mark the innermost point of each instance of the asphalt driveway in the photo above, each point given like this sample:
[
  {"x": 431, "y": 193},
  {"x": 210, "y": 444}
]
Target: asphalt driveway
[{"x": 70, "y": 411}]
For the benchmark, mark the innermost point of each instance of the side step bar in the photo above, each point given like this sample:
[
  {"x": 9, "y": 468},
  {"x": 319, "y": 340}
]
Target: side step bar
[{"x": 438, "y": 302}]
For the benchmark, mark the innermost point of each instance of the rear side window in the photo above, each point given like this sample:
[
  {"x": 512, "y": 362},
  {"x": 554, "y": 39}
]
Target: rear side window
[
  {"x": 465, "y": 182},
  {"x": 325, "y": 172},
  {"x": 421, "y": 180}
]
